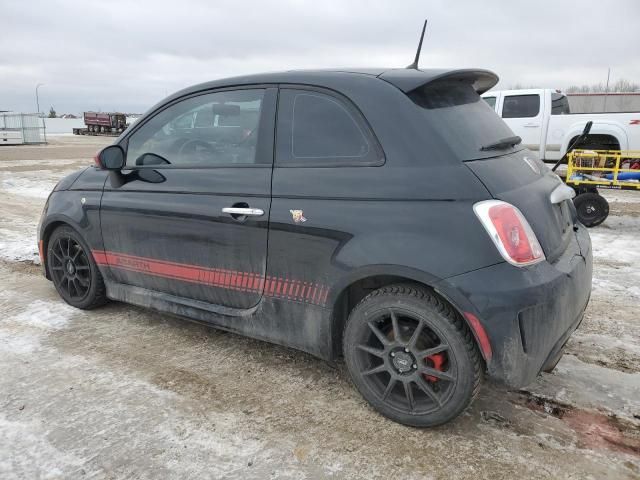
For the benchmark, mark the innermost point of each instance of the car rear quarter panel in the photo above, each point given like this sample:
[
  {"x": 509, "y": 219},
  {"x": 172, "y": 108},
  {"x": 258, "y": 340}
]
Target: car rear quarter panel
[{"x": 414, "y": 210}]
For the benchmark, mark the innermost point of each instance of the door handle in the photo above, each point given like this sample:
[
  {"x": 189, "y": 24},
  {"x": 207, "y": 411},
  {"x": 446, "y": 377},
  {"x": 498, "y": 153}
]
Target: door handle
[
  {"x": 531, "y": 125},
  {"x": 240, "y": 211}
]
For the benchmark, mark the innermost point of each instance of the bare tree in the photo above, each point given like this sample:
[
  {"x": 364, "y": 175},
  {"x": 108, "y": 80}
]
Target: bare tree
[{"x": 623, "y": 85}]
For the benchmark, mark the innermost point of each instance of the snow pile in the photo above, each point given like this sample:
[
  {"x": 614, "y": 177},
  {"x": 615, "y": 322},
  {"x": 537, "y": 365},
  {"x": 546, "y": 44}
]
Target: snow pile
[
  {"x": 45, "y": 315},
  {"x": 19, "y": 245},
  {"x": 616, "y": 256},
  {"x": 21, "y": 331},
  {"x": 31, "y": 184},
  {"x": 33, "y": 455}
]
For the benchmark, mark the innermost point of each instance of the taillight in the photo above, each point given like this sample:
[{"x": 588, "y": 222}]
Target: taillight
[{"x": 510, "y": 232}]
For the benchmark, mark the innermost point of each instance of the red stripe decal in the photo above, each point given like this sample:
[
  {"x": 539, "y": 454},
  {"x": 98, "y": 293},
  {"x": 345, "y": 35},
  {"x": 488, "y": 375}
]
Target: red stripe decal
[{"x": 229, "y": 279}]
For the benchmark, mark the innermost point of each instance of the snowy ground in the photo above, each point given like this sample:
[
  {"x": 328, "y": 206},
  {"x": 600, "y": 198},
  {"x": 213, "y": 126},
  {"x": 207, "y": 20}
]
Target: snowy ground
[{"x": 120, "y": 392}]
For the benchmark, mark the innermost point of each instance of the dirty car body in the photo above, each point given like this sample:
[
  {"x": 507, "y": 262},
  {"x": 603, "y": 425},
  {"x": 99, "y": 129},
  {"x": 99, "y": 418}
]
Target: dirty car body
[{"x": 330, "y": 211}]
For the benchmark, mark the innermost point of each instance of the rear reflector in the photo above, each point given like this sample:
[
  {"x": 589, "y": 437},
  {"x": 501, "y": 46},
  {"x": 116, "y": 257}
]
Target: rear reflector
[
  {"x": 510, "y": 232},
  {"x": 481, "y": 335}
]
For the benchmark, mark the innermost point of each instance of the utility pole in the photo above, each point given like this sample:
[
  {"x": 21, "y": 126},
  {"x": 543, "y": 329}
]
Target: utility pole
[
  {"x": 606, "y": 90},
  {"x": 37, "y": 99}
]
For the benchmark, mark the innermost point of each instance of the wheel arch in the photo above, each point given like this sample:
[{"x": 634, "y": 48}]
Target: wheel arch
[
  {"x": 46, "y": 231},
  {"x": 345, "y": 295},
  {"x": 610, "y": 133}
]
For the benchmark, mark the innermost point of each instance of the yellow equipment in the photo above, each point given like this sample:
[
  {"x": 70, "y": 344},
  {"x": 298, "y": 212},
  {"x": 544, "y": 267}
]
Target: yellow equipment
[
  {"x": 588, "y": 170},
  {"x": 604, "y": 168}
]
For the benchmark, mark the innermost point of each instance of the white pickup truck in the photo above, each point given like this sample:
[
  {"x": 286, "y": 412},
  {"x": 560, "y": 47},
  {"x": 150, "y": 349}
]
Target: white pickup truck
[{"x": 542, "y": 118}]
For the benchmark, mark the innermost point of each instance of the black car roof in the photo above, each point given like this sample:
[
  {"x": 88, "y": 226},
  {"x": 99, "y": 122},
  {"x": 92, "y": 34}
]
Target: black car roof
[{"x": 403, "y": 78}]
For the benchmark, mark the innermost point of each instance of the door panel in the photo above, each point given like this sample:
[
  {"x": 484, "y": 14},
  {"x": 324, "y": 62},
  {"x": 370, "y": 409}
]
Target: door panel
[
  {"x": 162, "y": 238},
  {"x": 162, "y": 219}
]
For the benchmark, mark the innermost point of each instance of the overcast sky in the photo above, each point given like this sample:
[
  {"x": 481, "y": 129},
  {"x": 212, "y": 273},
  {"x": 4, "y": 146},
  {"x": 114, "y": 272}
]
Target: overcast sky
[{"x": 127, "y": 54}]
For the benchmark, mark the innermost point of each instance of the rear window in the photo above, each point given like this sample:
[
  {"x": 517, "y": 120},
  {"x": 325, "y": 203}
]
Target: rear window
[
  {"x": 465, "y": 122},
  {"x": 559, "y": 104}
]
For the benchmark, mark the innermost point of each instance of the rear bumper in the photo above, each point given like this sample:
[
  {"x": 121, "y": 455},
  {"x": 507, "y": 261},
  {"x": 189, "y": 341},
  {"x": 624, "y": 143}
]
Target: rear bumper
[{"x": 527, "y": 313}]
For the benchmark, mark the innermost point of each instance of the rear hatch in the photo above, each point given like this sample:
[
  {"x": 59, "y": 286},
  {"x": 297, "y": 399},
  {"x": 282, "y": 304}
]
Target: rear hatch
[
  {"x": 525, "y": 182},
  {"x": 451, "y": 109}
]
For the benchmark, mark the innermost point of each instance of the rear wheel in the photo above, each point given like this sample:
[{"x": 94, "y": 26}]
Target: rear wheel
[
  {"x": 73, "y": 271},
  {"x": 592, "y": 208},
  {"x": 411, "y": 356}
]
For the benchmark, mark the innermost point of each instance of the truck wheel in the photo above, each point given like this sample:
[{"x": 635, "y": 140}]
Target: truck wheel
[
  {"x": 411, "y": 356},
  {"x": 592, "y": 208},
  {"x": 73, "y": 270}
]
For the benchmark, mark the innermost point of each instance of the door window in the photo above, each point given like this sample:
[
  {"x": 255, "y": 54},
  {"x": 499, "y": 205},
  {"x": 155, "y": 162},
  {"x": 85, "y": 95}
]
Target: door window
[
  {"x": 521, "y": 106},
  {"x": 208, "y": 130},
  {"x": 317, "y": 129}
]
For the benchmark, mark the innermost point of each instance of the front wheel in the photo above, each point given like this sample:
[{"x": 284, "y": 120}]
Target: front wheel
[
  {"x": 411, "y": 356},
  {"x": 592, "y": 208},
  {"x": 73, "y": 271}
]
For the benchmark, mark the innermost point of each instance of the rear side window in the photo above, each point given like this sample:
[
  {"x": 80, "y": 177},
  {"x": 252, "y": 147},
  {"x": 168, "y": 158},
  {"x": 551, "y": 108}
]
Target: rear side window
[
  {"x": 559, "y": 104},
  {"x": 318, "y": 129},
  {"x": 491, "y": 101},
  {"x": 521, "y": 106}
]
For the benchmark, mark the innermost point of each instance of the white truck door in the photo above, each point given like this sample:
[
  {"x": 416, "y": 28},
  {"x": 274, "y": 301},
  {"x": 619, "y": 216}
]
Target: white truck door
[{"x": 523, "y": 112}]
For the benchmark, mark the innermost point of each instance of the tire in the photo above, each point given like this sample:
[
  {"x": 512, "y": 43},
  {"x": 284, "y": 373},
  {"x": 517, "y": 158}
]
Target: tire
[
  {"x": 80, "y": 285},
  {"x": 592, "y": 208},
  {"x": 424, "y": 379}
]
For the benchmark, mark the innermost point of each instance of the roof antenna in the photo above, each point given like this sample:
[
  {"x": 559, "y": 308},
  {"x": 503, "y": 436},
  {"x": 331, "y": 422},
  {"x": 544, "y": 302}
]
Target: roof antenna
[{"x": 414, "y": 65}]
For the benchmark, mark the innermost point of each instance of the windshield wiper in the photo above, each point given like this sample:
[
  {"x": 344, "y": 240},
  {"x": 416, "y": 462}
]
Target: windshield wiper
[{"x": 502, "y": 144}]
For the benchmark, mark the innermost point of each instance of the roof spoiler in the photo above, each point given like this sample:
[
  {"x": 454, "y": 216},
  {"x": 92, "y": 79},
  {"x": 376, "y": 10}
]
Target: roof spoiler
[{"x": 410, "y": 79}]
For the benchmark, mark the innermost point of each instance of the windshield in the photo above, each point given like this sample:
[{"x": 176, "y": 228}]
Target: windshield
[{"x": 456, "y": 112}]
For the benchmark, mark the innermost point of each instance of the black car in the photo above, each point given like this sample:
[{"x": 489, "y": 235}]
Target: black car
[{"x": 386, "y": 216}]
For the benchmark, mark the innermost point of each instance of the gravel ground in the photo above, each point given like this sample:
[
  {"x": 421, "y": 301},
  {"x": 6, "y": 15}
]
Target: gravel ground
[{"x": 120, "y": 392}]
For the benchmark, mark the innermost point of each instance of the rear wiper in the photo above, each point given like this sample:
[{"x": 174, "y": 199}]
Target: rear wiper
[{"x": 502, "y": 144}]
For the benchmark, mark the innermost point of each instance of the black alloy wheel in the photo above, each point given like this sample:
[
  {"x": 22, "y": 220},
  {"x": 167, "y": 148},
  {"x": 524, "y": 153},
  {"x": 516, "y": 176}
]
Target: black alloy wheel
[
  {"x": 406, "y": 362},
  {"x": 411, "y": 356},
  {"x": 70, "y": 268},
  {"x": 73, "y": 271}
]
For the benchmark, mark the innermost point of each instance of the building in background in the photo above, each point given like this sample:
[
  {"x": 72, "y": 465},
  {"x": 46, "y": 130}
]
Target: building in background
[{"x": 604, "y": 102}]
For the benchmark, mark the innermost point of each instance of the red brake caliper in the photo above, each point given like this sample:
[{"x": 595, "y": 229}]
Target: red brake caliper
[{"x": 435, "y": 361}]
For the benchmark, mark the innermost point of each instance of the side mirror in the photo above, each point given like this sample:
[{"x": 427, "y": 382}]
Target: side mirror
[{"x": 110, "y": 158}]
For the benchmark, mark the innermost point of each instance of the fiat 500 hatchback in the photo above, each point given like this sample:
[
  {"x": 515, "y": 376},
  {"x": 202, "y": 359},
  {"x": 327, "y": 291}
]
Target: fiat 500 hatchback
[{"x": 386, "y": 216}]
